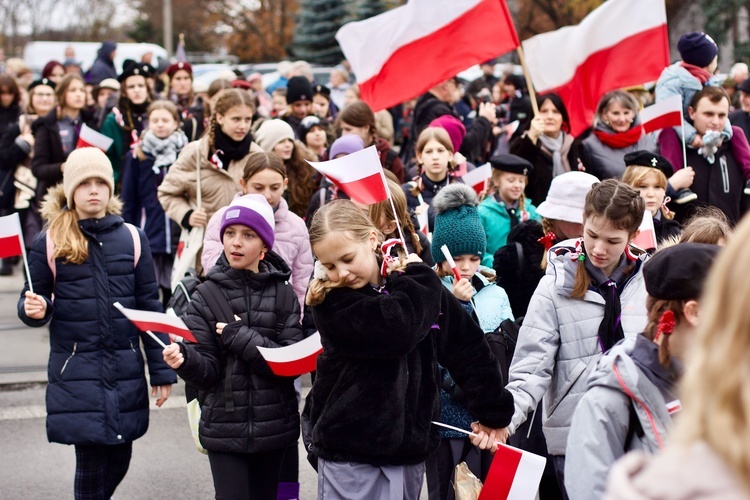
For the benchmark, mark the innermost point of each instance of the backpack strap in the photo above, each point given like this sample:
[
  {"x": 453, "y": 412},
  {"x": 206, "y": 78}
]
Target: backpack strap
[
  {"x": 634, "y": 428},
  {"x": 284, "y": 295},
  {"x": 51, "y": 249}
]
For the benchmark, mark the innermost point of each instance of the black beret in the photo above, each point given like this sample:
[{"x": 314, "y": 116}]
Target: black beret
[
  {"x": 512, "y": 163},
  {"x": 645, "y": 158},
  {"x": 678, "y": 272},
  {"x": 298, "y": 88},
  {"x": 42, "y": 81},
  {"x": 744, "y": 86},
  {"x": 133, "y": 69},
  {"x": 322, "y": 89}
]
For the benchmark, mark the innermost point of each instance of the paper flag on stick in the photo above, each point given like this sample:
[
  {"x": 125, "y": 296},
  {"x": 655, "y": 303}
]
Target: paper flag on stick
[
  {"x": 359, "y": 175},
  {"x": 158, "y": 322},
  {"x": 295, "y": 359}
]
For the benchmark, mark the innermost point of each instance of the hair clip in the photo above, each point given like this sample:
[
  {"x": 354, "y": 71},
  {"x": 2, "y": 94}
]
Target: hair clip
[
  {"x": 666, "y": 324},
  {"x": 320, "y": 272},
  {"x": 548, "y": 240},
  {"x": 388, "y": 258},
  {"x": 581, "y": 257}
]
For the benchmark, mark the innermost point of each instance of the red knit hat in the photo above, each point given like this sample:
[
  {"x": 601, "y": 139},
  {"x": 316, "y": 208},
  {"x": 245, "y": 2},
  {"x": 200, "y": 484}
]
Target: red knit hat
[{"x": 174, "y": 68}]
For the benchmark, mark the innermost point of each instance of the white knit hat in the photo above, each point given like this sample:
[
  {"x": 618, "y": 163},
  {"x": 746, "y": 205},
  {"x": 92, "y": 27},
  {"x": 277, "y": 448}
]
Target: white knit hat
[
  {"x": 85, "y": 163},
  {"x": 567, "y": 196},
  {"x": 272, "y": 132}
]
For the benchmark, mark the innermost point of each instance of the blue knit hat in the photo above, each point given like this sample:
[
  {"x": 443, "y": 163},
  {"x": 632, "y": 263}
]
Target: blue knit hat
[
  {"x": 457, "y": 223},
  {"x": 697, "y": 49}
]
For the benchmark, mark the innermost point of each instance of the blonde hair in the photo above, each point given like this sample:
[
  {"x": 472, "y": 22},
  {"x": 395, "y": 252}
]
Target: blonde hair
[
  {"x": 339, "y": 216},
  {"x": 494, "y": 186},
  {"x": 167, "y": 106},
  {"x": 707, "y": 225},
  {"x": 715, "y": 390},
  {"x": 635, "y": 175},
  {"x": 383, "y": 210}
]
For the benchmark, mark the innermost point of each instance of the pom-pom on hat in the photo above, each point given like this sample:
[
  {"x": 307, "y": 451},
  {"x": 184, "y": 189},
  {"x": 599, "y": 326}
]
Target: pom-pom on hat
[
  {"x": 253, "y": 211},
  {"x": 567, "y": 196},
  {"x": 678, "y": 272},
  {"x": 645, "y": 158},
  {"x": 511, "y": 163},
  {"x": 697, "y": 48},
  {"x": 298, "y": 88},
  {"x": 346, "y": 145},
  {"x": 457, "y": 223},
  {"x": 85, "y": 163},
  {"x": 272, "y": 132}
]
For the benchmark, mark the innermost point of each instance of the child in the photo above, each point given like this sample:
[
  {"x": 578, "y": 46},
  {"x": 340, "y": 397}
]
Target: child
[
  {"x": 265, "y": 174},
  {"x": 157, "y": 151},
  {"x": 97, "y": 397},
  {"x": 707, "y": 225},
  {"x": 376, "y": 392},
  {"x": 507, "y": 206},
  {"x": 435, "y": 168},
  {"x": 248, "y": 420},
  {"x": 381, "y": 214},
  {"x": 278, "y": 97},
  {"x": 591, "y": 297},
  {"x": 632, "y": 392},
  {"x": 458, "y": 226},
  {"x": 219, "y": 156},
  {"x": 648, "y": 173},
  {"x": 278, "y": 136},
  {"x": 313, "y": 133}
]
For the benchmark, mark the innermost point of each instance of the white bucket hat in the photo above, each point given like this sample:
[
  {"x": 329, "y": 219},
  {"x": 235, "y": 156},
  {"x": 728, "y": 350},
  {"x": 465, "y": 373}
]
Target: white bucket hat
[{"x": 567, "y": 196}]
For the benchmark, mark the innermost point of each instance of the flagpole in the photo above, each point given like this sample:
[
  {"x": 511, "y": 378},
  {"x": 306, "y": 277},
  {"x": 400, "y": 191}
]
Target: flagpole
[
  {"x": 684, "y": 152},
  {"x": 529, "y": 84},
  {"x": 26, "y": 264},
  {"x": 393, "y": 207},
  {"x": 153, "y": 336}
]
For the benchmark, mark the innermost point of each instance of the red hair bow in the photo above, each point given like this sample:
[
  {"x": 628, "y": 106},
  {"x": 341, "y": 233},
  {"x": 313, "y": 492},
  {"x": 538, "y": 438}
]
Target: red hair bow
[
  {"x": 666, "y": 324},
  {"x": 548, "y": 240}
]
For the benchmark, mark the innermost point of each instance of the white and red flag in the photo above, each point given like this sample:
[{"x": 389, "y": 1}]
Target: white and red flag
[
  {"x": 359, "y": 175},
  {"x": 90, "y": 138},
  {"x": 646, "y": 238},
  {"x": 150, "y": 321},
  {"x": 405, "y": 51},
  {"x": 477, "y": 178},
  {"x": 621, "y": 43},
  {"x": 293, "y": 360},
  {"x": 663, "y": 114},
  {"x": 11, "y": 237},
  {"x": 514, "y": 475}
]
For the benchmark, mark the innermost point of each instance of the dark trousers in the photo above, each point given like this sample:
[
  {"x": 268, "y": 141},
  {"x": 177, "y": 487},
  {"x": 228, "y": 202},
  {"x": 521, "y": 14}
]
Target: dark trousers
[
  {"x": 99, "y": 469},
  {"x": 558, "y": 462},
  {"x": 441, "y": 466},
  {"x": 253, "y": 476}
]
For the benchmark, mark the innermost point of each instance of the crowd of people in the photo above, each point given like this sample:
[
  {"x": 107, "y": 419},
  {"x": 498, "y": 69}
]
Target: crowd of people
[{"x": 619, "y": 336}]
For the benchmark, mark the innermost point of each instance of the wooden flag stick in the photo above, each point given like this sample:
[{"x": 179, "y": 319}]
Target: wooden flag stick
[
  {"x": 153, "y": 336},
  {"x": 529, "y": 84}
]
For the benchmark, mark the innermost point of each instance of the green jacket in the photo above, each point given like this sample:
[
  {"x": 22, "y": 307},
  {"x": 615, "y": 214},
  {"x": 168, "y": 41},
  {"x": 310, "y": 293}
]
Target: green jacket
[{"x": 496, "y": 223}]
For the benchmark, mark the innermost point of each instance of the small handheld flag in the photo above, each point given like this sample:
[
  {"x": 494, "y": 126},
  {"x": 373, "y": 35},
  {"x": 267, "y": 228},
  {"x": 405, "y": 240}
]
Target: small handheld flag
[
  {"x": 477, "y": 178},
  {"x": 293, "y": 360},
  {"x": 90, "y": 138},
  {"x": 451, "y": 262},
  {"x": 146, "y": 321},
  {"x": 11, "y": 241},
  {"x": 359, "y": 175}
]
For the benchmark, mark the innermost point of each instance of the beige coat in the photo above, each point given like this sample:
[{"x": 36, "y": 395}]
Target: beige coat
[
  {"x": 679, "y": 473},
  {"x": 178, "y": 191}
]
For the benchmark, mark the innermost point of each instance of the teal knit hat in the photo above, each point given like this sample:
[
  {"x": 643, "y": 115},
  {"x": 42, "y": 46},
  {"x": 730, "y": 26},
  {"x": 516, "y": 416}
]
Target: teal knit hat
[{"x": 457, "y": 223}]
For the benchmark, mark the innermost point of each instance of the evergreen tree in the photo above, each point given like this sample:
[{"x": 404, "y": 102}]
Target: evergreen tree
[
  {"x": 365, "y": 9},
  {"x": 317, "y": 24}
]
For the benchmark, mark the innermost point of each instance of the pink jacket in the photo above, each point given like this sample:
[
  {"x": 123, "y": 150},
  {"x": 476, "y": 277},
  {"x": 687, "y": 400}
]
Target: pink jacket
[{"x": 291, "y": 243}]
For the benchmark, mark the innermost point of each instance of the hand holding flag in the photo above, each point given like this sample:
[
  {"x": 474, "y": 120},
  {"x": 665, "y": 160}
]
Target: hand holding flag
[
  {"x": 451, "y": 262},
  {"x": 11, "y": 241},
  {"x": 146, "y": 321}
]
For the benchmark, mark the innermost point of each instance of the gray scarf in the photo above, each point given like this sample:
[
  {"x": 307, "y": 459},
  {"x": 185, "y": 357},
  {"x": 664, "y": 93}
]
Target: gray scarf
[
  {"x": 554, "y": 146},
  {"x": 164, "y": 151}
]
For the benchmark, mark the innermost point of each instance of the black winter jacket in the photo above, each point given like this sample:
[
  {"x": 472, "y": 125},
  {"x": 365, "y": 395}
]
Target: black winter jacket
[
  {"x": 265, "y": 415},
  {"x": 377, "y": 384}
]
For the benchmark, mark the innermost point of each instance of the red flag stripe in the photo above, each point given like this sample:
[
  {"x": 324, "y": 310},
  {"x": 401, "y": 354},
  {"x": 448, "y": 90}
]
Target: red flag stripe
[
  {"x": 672, "y": 119},
  {"x": 295, "y": 367},
  {"x": 367, "y": 190},
  {"x": 500, "y": 477},
  {"x": 10, "y": 246},
  {"x": 164, "y": 328}
]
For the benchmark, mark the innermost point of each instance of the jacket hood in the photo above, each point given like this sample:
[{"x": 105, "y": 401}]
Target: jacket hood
[
  {"x": 272, "y": 266},
  {"x": 681, "y": 75},
  {"x": 55, "y": 203},
  {"x": 105, "y": 51}
]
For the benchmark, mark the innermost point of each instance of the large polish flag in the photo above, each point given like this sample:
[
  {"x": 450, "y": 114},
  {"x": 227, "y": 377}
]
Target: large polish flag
[
  {"x": 11, "y": 237},
  {"x": 621, "y": 43},
  {"x": 90, "y": 138},
  {"x": 514, "y": 475},
  {"x": 663, "y": 114},
  {"x": 157, "y": 322},
  {"x": 405, "y": 51},
  {"x": 296, "y": 359},
  {"x": 359, "y": 175}
]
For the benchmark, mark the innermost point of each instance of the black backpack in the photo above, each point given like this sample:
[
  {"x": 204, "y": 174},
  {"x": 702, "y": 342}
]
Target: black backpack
[{"x": 182, "y": 293}]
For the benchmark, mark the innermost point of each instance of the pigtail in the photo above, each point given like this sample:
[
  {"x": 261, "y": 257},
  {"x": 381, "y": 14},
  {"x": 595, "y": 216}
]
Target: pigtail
[
  {"x": 663, "y": 315},
  {"x": 212, "y": 135},
  {"x": 317, "y": 291},
  {"x": 582, "y": 282},
  {"x": 417, "y": 186}
]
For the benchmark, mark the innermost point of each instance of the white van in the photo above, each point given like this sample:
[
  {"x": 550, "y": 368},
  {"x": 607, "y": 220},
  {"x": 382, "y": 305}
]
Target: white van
[{"x": 37, "y": 54}]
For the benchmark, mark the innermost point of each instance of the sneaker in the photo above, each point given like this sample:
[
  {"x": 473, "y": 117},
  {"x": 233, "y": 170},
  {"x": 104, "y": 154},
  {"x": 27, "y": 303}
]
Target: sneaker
[
  {"x": 684, "y": 195},
  {"x": 747, "y": 187}
]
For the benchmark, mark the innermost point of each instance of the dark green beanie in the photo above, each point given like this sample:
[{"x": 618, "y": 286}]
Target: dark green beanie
[{"x": 457, "y": 223}]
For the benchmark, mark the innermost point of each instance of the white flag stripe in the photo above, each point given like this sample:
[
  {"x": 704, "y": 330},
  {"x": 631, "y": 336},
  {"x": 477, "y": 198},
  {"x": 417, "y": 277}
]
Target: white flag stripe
[
  {"x": 10, "y": 225},
  {"x": 394, "y": 29},
  {"x": 606, "y": 26},
  {"x": 528, "y": 476},
  {"x": 479, "y": 174},
  {"x": 96, "y": 139},
  {"x": 351, "y": 168},
  {"x": 669, "y": 105},
  {"x": 152, "y": 317},
  {"x": 299, "y": 350}
]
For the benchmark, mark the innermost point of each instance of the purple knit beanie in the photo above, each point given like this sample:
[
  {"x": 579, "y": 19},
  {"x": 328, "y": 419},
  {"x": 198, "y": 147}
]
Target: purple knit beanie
[
  {"x": 346, "y": 145},
  {"x": 253, "y": 211}
]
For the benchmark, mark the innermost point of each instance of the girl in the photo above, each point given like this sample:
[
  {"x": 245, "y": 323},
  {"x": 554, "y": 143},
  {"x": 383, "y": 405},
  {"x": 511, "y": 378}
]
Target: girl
[
  {"x": 219, "y": 157},
  {"x": 358, "y": 118},
  {"x": 381, "y": 214},
  {"x": 56, "y": 134},
  {"x": 382, "y": 339},
  {"x": 457, "y": 225},
  {"x": 264, "y": 174},
  {"x": 648, "y": 173},
  {"x": 129, "y": 118},
  {"x": 591, "y": 297},
  {"x": 157, "y": 150},
  {"x": 631, "y": 393},
  {"x": 189, "y": 105},
  {"x": 707, "y": 225},
  {"x": 507, "y": 206},
  {"x": 322, "y": 106},
  {"x": 548, "y": 145},
  {"x": 435, "y": 168},
  {"x": 54, "y": 71},
  {"x": 277, "y": 136},
  {"x": 313, "y": 133},
  {"x": 97, "y": 397},
  {"x": 617, "y": 132},
  {"x": 707, "y": 454},
  {"x": 249, "y": 416}
]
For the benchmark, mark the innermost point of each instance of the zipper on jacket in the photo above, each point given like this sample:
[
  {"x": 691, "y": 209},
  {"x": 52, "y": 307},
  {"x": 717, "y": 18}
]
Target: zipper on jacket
[
  {"x": 132, "y": 348},
  {"x": 724, "y": 173},
  {"x": 75, "y": 347}
]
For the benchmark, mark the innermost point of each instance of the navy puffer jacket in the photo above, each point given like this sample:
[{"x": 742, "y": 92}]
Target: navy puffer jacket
[
  {"x": 265, "y": 415},
  {"x": 97, "y": 391}
]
